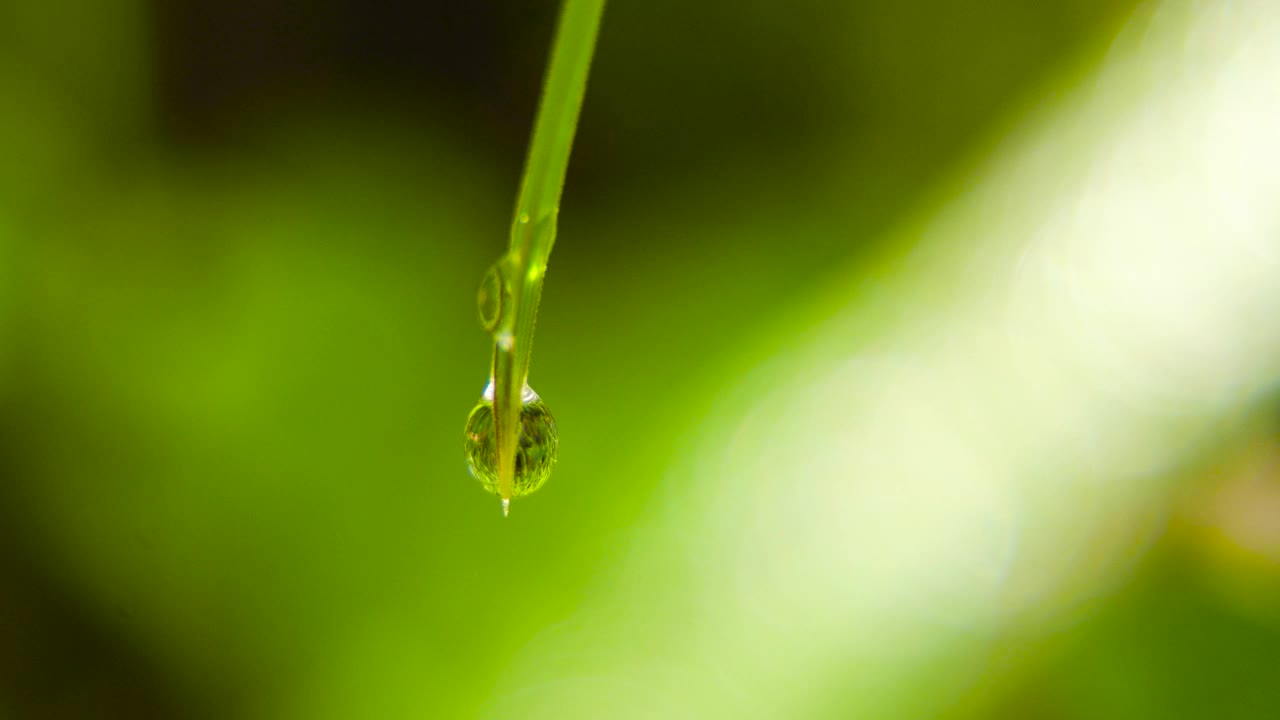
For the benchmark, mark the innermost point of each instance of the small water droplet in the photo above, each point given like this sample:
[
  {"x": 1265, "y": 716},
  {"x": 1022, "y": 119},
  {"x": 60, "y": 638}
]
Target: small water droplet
[
  {"x": 535, "y": 451},
  {"x": 524, "y": 218},
  {"x": 491, "y": 298}
]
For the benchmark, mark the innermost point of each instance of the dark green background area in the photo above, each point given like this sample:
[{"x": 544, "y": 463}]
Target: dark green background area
[{"x": 239, "y": 246}]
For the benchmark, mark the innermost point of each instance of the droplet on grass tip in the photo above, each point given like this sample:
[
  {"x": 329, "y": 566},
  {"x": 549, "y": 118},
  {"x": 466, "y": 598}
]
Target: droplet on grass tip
[{"x": 535, "y": 451}]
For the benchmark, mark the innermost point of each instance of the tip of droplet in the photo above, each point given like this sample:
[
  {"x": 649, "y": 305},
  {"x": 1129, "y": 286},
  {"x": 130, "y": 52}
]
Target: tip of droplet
[{"x": 506, "y": 507}]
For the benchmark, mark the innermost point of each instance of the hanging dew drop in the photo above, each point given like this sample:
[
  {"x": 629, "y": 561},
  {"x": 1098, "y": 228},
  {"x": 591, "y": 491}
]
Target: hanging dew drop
[{"x": 535, "y": 452}]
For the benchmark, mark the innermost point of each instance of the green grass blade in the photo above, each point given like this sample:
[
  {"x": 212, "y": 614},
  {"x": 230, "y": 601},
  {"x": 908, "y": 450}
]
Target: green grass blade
[{"x": 533, "y": 229}]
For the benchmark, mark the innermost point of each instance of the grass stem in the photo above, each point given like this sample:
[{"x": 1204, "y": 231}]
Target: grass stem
[{"x": 533, "y": 229}]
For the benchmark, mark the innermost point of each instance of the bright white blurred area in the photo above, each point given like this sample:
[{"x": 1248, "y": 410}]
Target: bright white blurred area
[{"x": 985, "y": 439}]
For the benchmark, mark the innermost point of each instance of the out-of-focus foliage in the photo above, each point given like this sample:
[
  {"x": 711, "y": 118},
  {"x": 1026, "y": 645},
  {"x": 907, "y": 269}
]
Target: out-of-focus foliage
[{"x": 239, "y": 245}]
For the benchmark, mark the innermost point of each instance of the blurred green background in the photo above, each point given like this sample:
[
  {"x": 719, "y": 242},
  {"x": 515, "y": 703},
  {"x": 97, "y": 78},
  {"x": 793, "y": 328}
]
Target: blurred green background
[{"x": 239, "y": 245}]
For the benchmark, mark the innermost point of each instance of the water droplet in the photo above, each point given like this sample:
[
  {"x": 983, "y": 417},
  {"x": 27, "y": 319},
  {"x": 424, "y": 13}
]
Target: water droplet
[
  {"x": 535, "y": 452},
  {"x": 491, "y": 298}
]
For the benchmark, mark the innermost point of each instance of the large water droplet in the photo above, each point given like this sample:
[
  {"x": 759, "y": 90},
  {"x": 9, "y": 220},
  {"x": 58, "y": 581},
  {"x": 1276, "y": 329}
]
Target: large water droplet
[{"x": 535, "y": 452}]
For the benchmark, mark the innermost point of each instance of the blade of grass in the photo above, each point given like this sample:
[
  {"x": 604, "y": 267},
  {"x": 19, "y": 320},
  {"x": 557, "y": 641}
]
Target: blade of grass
[{"x": 533, "y": 229}]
